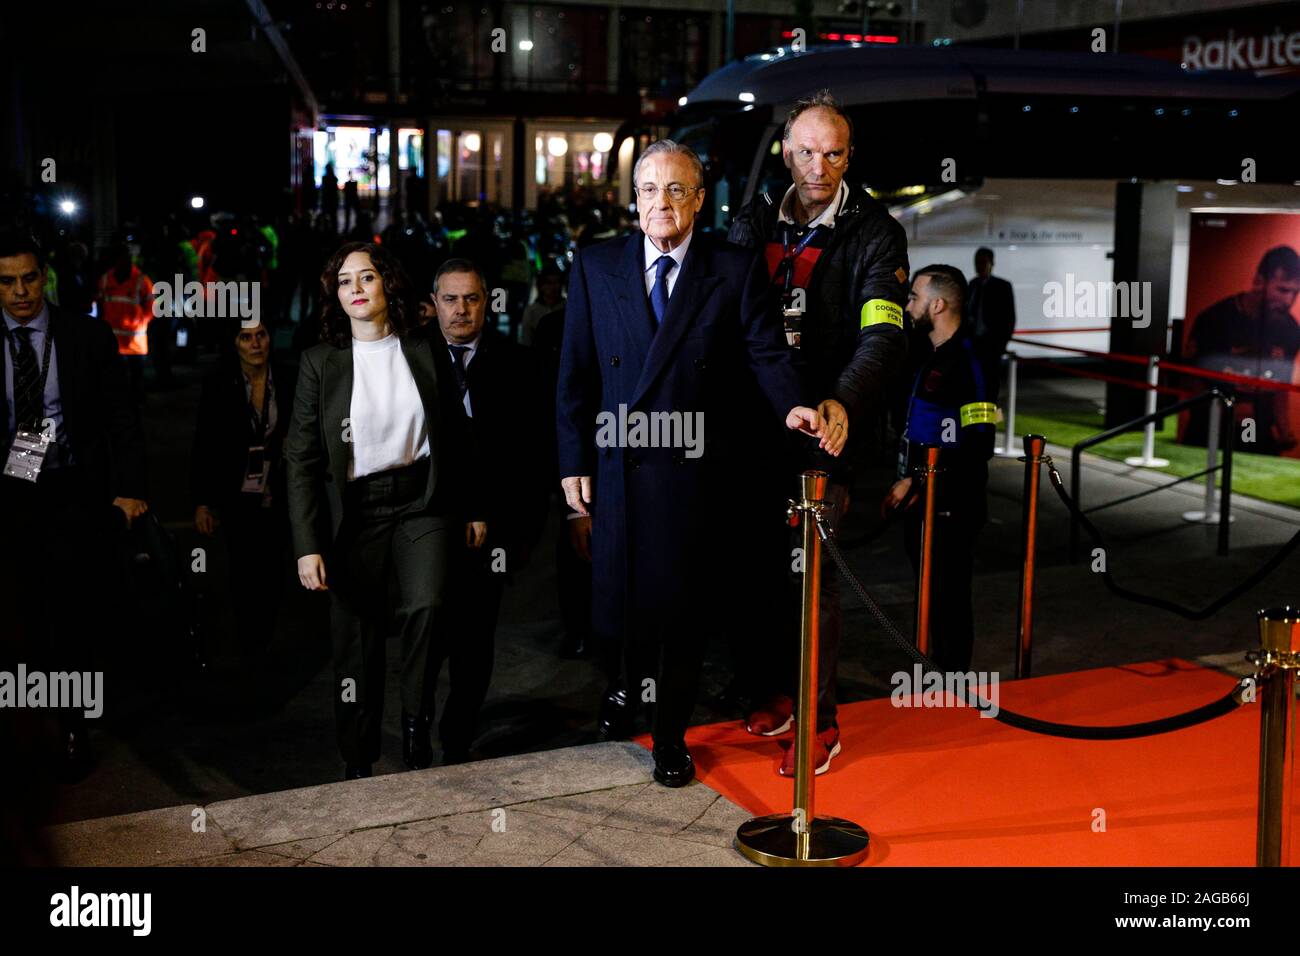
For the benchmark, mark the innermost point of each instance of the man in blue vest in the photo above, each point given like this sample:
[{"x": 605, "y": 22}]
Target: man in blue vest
[{"x": 950, "y": 407}]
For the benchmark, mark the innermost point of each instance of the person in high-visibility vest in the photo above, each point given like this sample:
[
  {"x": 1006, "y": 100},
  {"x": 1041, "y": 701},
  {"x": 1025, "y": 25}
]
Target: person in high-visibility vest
[{"x": 126, "y": 303}]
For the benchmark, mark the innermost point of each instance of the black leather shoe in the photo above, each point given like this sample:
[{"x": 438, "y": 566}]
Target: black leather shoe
[
  {"x": 615, "y": 720},
  {"x": 674, "y": 766},
  {"x": 356, "y": 773},
  {"x": 417, "y": 751}
]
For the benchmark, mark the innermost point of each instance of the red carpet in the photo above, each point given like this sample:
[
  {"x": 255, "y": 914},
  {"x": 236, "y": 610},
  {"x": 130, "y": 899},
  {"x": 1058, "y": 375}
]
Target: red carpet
[{"x": 946, "y": 787}]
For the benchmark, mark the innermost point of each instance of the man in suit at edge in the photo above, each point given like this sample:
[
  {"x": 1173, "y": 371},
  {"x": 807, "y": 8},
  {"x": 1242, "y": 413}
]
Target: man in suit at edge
[
  {"x": 62, "y": 376},
  {"x": 498, "y": 384},
  {"x": 992, "y": 313},
  {"x": 663, "y": 321}
]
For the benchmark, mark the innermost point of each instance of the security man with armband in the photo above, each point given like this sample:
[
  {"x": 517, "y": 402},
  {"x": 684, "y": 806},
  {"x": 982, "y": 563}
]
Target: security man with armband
[
  {"x": 838, "y": 263},
  {"x": 949, "y": 408}
]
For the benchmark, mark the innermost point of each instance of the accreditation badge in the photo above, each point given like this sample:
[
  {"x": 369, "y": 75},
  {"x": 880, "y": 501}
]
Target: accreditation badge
[
  {"x": 27, "y": 455},
  {"x": 256, "y": 470}
]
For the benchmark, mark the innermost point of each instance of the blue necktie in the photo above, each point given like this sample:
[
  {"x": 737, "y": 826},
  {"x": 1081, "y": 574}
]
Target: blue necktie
[{"x": 659, "y": 293}]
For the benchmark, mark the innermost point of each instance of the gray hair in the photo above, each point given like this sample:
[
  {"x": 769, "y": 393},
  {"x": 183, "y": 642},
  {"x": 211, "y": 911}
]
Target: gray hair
[
  {"x": 821, "y": 100},
  {"x": 669, "y": 146}
]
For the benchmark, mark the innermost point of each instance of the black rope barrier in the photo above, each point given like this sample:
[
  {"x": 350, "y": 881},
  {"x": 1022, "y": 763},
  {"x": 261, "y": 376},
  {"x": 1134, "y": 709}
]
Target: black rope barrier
[
  {"x": 1164, "y": 725},
  {"x": 1119, "y": 590},
  {"x": 1151, "y": 491}
]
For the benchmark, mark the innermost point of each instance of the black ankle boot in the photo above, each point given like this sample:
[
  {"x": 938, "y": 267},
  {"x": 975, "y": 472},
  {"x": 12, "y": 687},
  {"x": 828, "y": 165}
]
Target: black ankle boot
[{"x": 417, "y": 751}]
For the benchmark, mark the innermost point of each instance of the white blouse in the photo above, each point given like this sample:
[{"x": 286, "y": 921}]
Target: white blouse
[{"x": 387, "y": 415}]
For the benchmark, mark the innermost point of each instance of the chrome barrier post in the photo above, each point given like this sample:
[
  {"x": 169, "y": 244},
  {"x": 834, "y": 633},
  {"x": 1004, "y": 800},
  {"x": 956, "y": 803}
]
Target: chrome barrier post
[
  {"x": 1009, "y": 449},
  {"x": 1148, "y": 457},
  {"x": 1033, "y": 459},
  {"x": 1209, "y": 515},
  {"x": 799, "y": 838},
  {"x": 1277, "y": 659},
  {"x": 925, "y": 566},
  {"x": 1225, "y": 479}
]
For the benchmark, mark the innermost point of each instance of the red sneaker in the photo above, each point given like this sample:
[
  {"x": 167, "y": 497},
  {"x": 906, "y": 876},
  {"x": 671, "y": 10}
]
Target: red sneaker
[
  {"x": 773, "y": 718},
  {"x": 825, "y": 746}
]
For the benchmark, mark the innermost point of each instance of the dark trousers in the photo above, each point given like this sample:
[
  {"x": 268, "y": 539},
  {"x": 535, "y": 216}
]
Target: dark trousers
[
  {"x": 952, "y": 555},
  {"x": 256, "y": 541},
  {"x": 662, "y": 662},
  {"x": 470, "y": 646},
  {"x": 60, "y": 535},
  {"x": 385, "y": 541},
  {"x": 573, "y": 584}
]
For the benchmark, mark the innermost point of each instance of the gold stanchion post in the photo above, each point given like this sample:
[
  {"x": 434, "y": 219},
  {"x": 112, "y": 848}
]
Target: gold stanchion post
[
  {"x": 800, "y": 838},
  {"x": 1033, "y": 459},
  {"x": 925, "y": 566},
  {"x": 1278, "y": 658}
]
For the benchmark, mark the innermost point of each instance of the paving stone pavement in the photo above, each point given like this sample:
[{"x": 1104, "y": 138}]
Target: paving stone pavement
[{"x": 512, "y": 811}]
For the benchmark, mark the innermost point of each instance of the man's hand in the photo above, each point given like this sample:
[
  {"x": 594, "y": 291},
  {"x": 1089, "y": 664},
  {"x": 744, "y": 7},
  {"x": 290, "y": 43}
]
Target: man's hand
[
  {"x": 897, "y": 495},
  {"x": 580, "y": 536},
  {"x": 837, "y": 426},
  {"x": 131, "y": 507},
  {"x": 806, "y": 420},
  {"x": 475, "y": 534},
  {"x": 577, "y": 490},
  {"x": 205, "y": 522},
  {"x": 311, "y": 572}
]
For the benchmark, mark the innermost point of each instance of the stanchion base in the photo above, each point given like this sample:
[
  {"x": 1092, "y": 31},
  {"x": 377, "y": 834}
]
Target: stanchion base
[
  {"x": 771, "y": 841},
  {"x": 1140, "y": 462},
  {"x": 1201, "y": 517}
]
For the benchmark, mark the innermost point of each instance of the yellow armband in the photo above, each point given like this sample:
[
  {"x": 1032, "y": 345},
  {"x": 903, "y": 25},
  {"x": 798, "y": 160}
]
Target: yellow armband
[{"x": 877, "y": 311}]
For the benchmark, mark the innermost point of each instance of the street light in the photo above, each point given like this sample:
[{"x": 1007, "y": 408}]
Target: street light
[{"x": 196, "y": 202}]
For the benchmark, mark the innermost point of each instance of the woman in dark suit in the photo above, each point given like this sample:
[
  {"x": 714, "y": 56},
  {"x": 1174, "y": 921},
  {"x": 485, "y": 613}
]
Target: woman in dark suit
[
  {"x": 237, "y": 477},
  {"x": 379, "y": 448}
]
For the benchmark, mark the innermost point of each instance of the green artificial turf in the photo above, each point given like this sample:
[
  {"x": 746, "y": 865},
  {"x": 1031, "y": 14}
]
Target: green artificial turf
[{"x": 1259, "y": 476}]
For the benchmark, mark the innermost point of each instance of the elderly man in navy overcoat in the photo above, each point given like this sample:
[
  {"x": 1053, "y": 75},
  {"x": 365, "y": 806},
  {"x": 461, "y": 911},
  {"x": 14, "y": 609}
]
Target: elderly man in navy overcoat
[{"x": 662, "y": 329}]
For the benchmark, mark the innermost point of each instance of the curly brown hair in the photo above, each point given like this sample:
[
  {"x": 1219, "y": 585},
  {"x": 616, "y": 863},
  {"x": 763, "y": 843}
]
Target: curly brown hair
[{"x": 335, "y": 327}]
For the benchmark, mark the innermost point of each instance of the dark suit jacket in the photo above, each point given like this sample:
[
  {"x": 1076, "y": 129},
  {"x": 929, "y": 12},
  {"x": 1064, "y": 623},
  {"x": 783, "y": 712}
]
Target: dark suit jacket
[
  {"x": 101, "y": 422},
  {"x": 511, "y": 428},
  {"x": 652, "y": 553},
  {"x": 317, "y": 457},
  {"x": 993, "y": 311},
  {"x": 224, "y": 433}
]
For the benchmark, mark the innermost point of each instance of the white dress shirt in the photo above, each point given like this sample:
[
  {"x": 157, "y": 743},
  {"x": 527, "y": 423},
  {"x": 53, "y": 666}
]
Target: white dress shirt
[
  {"x": 389, "y": 429},
  {"x": 53, "y": 400},
  {"x": 824, "y": 218},
  {"x": 652, "y": 254}
]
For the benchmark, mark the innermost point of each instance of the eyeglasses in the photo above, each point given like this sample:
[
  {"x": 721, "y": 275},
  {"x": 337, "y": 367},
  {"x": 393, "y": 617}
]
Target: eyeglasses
[
  {"x": 834, "y": 159},
  {"x": 676, "y": 191}
]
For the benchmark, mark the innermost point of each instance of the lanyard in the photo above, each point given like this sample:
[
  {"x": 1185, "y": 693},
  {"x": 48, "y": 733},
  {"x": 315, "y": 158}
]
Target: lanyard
[
  {"x": 45, "y": 362},
  {"x": 788, "y": 255},
  {"x": 260, "y": 424}
]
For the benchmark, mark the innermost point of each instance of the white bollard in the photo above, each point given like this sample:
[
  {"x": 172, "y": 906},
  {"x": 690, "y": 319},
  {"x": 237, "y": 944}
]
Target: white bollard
[
  {"x": 1148, "y": 457},
  {"x": 1008, "y": 447}
]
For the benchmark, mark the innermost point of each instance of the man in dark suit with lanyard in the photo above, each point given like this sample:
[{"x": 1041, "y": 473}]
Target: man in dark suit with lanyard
[
  {"x": 74, "y": 472},
  {"x": 498, "y": 383}
]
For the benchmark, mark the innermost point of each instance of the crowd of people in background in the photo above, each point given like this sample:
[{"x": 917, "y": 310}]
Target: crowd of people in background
[{"x": 327, "y": 428}]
